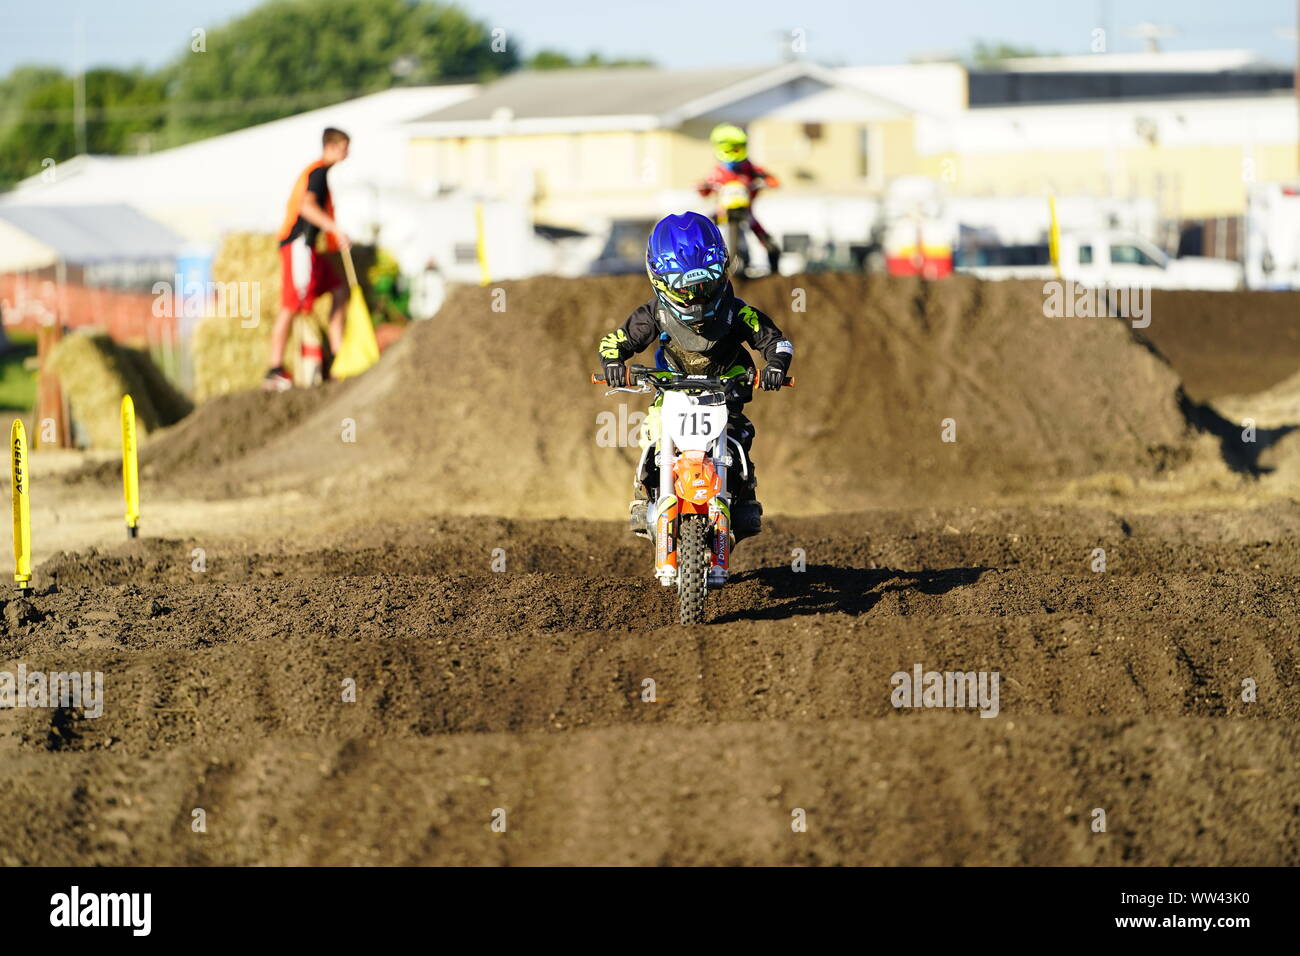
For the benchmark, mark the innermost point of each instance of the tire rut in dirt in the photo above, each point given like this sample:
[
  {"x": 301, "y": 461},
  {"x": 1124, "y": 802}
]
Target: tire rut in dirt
[
  {"x": 526, "y": 690},
  {"x": 935, "y": 789}
]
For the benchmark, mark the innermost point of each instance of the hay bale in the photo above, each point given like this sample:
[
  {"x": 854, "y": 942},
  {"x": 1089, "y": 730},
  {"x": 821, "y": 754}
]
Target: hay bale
[
  {"x": 95, "y": 372},
  {"x": 227, "y": 356},
  {"x": 229, "y": 352}
]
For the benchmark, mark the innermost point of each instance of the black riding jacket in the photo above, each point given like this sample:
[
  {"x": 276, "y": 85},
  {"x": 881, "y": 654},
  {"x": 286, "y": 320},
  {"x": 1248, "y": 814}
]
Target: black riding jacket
[{"x": 748, "y": 326}]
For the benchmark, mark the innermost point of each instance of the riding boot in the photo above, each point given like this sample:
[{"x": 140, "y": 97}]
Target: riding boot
[
  {"x": 638, "y": 510},
  {"x": 746, "y": 510}
]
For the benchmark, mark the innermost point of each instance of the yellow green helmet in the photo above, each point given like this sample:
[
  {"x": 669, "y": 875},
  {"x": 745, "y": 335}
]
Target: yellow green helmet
[{"x": 730, "y": 144}]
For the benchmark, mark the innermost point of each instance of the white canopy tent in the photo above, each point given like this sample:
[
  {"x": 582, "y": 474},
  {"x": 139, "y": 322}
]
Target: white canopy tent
[
  {"x": 34, "y": 237},
  {"x": 240, "y": 181}
]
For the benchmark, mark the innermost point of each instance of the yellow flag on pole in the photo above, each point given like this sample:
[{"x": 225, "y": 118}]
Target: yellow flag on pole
[
  {"x": 360, "y": 348},
  {"x": 480, "y": 246}
]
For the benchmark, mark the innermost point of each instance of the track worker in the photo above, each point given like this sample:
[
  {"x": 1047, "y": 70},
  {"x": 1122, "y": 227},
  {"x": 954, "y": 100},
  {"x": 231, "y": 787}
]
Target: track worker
[{"x": 305, "y": 273}]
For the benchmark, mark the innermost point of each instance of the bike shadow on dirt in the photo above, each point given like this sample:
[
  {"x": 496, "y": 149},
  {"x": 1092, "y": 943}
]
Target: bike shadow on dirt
[{"x": 828, "y": 589}]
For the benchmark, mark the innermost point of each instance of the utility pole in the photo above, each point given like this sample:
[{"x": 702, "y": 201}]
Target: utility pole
[{"x": 79, "y": 84}]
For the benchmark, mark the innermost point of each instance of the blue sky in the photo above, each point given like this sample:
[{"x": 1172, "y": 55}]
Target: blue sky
[{"x": 685, "y": 33}]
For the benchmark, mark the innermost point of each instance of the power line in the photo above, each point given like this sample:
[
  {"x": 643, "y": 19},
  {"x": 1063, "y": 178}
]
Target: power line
[{"x": 202, "y": 107}]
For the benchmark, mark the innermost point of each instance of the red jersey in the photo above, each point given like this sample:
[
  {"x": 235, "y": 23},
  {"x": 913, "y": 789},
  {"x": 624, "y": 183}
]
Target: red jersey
[{"x": 753, "y": 177}]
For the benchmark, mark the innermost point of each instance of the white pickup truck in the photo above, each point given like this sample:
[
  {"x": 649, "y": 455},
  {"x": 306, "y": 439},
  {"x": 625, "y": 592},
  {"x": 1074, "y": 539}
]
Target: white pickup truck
[{"x": 1104, "y": 258}]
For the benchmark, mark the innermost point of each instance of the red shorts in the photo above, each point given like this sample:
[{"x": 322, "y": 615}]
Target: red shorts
[{"x": 305, "y": 275}]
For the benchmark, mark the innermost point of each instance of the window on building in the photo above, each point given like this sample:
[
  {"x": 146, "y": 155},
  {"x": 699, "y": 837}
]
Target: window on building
[
  {"x": 864, "y": 152},
  {"x": 1085, "y": 255}
]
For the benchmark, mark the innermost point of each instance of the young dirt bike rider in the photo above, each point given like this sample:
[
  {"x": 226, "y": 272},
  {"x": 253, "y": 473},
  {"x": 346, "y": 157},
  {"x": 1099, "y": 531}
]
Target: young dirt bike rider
[
  {"x": 731, "y": 147},
  {"x": 701, "y": 328}
]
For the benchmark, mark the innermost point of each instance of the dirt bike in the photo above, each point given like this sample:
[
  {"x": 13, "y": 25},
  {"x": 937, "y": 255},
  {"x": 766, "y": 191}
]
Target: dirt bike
[
  {"x": 734, "y": 212},
  {"x": 688, "y": 515}
]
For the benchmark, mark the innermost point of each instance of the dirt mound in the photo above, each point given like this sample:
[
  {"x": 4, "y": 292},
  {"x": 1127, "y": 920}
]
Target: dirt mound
[
  {"x": 1224, "y": 343},
  {"x": 203, "y": 452},
  {"x": 488, "y": 408},
  {"x": 1264, "y": 427},
  {"x": 227, "y": 429},
  {"x": 1274, "y": 407}
]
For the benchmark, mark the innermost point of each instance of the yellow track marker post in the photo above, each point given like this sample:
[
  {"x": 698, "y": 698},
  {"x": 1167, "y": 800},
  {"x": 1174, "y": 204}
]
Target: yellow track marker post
[
  {"x": 18, "y": 465},
  {"x": 130, "y": 468}
]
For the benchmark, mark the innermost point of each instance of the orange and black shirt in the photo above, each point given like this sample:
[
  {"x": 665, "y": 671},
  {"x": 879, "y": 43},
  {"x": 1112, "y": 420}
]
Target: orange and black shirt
[{"x": 312, "y": 179}]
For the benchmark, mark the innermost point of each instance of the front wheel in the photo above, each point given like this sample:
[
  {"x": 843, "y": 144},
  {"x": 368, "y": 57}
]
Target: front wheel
[{"x": 692, "y": 567}]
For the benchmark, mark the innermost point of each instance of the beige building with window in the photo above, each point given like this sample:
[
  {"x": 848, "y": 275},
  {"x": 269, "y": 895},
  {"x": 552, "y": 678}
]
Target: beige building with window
[
  {"x": 581, "y": 145},
  {"x": 626, "y": 143}
]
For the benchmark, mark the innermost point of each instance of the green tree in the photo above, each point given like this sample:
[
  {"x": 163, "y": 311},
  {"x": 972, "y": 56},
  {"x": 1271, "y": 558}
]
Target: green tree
[
  {"x": 289, "y": 55},
  {"x": 993, "y": 52},
  {"x": 15, "y": 90},
  {"x": 121, "y": 107},
  {"x": 556, "y": 60},
  {"x": 281, "y": 58},
  {"x": 17, "y": 86}
]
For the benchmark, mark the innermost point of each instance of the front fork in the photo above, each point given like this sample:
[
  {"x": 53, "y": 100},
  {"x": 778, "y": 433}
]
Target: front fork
[{"x": 668, "y": 513}]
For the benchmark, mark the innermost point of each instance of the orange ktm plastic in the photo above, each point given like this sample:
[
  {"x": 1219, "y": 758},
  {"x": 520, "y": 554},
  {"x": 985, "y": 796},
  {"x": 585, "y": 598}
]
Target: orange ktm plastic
[{"x": 695, "y": 482}]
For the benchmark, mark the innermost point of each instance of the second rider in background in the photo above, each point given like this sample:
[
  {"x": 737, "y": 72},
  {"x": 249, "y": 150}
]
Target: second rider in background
[{"x": 735, "y": 181}]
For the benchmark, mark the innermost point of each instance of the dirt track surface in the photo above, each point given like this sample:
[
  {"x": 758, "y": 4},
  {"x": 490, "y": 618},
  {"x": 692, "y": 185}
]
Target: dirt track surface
[{"x": 522, "y": 690}]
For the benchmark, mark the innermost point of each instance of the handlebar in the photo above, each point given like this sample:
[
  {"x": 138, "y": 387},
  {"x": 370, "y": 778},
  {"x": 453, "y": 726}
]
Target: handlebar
[
  {"x": 766, "y": 181},
  {"x": 669, "y": 380}
]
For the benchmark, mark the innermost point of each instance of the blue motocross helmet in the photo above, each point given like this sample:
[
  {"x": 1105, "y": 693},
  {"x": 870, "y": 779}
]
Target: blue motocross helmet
[{"x": 686, "y": 260}]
